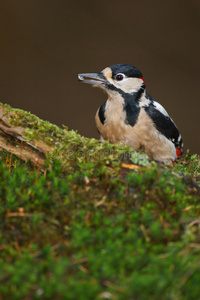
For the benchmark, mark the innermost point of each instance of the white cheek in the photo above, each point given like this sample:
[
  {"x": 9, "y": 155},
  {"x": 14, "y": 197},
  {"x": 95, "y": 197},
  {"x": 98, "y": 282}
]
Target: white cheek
[{"x": 129, "y": 85}]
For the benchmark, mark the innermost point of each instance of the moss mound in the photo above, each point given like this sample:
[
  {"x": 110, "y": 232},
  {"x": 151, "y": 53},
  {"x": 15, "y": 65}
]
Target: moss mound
[{"x": 100, "y": 221}]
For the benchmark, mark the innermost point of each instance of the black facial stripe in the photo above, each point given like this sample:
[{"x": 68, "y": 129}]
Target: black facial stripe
[
  {"x": 134, "y": 96},
  {"x": 102, "y": 112}
]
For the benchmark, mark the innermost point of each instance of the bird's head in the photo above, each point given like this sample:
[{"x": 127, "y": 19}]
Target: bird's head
[{"x": 120, "y": 77}]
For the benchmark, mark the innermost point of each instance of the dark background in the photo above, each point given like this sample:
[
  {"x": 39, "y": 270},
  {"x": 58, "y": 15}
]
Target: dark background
[{"x": 44, "y": 44}]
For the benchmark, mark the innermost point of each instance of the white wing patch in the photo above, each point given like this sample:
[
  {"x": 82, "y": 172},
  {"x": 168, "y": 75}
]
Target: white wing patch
[{"x": 159, "y": 107}]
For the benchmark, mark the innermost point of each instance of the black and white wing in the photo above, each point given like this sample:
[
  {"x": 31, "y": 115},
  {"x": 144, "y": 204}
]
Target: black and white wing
[{"x": 164, "y": 124}]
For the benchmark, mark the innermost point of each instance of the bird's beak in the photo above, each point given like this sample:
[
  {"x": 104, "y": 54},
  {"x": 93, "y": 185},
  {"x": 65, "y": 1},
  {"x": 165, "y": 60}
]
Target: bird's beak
[{"x": 92, "y": 78}]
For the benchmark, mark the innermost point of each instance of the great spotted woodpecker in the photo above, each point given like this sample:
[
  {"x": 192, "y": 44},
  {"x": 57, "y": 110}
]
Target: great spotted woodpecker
[{"x": 132, "y": 117}]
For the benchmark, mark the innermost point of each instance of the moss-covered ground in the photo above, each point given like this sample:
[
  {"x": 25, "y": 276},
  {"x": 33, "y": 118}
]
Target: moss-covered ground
[{"x": 92, "y": 225}]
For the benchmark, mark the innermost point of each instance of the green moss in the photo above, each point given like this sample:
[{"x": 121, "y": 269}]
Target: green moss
[
  {"x": 190, "y": 164},
  {"x": 86, "y": 228}
]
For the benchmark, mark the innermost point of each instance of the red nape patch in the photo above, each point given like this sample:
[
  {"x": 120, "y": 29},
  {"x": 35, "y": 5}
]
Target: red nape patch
[
  {"x": 178, "y": 152},
  {"x": 142, "y": 79}
]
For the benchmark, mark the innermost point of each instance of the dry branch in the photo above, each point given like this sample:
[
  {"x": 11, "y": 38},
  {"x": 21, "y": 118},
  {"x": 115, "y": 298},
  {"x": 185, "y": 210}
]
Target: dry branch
[{"x": 13, "y": 139}]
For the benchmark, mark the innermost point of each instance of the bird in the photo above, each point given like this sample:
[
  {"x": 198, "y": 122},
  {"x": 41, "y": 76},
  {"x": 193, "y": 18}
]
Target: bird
[{"x": 132, "y": 117}]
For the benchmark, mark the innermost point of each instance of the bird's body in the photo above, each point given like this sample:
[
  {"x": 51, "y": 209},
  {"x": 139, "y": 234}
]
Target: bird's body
[{"x": 131, "y": 117}]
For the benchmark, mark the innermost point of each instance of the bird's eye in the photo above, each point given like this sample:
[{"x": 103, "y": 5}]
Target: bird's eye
[{"x": 119, "y": 77}]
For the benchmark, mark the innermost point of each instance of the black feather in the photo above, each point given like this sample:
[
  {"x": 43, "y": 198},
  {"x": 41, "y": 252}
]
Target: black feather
[
  {"x": 131, "y": 108},
  {"x": 102, "y": 112},
  {"x": 128, "y": 70}
]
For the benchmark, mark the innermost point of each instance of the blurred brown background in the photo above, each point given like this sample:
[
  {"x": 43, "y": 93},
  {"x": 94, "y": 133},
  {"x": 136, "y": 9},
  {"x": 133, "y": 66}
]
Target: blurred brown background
[{"x": 45, "y": 43}]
